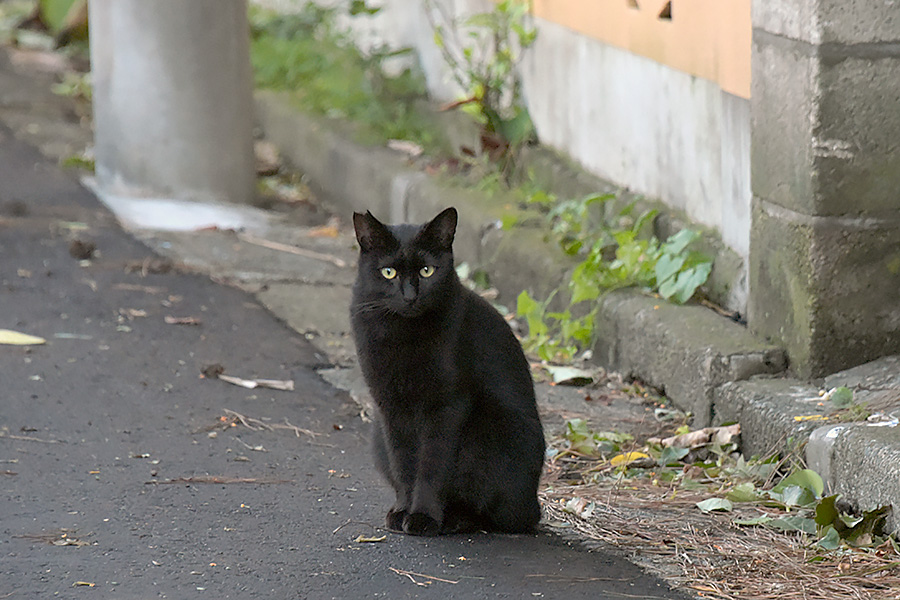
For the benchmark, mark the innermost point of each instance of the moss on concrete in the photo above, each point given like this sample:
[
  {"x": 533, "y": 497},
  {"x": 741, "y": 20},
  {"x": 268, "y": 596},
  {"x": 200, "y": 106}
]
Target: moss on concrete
[{"x": 823, "y": 287}]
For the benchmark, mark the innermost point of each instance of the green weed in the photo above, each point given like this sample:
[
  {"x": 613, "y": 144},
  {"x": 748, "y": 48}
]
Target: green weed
[
  {"x": 615, "y": 253},
  {"x": 308, "y": 54},
  {"x": 483, "y": 52}
]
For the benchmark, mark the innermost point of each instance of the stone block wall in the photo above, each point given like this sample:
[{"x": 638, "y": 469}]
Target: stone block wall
[{"x": 825, "y": 174}]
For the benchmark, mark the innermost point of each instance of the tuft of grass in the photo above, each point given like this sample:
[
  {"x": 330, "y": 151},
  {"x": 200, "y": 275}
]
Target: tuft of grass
[{"x": 308, "y": 54}]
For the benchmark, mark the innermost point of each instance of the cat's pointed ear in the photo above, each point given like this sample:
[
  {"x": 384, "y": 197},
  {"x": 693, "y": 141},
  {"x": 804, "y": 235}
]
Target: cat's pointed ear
[
  {"x": 371, "y": 233},
  {"x": 442, "y": 228}
]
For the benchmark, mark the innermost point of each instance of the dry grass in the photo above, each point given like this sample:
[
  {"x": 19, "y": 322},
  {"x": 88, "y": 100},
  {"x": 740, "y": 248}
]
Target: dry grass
[{"x": 715, "y": 558}]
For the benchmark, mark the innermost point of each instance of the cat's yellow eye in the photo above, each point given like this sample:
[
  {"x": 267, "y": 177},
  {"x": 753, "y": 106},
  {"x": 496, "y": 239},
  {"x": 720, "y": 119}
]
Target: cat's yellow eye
[
  {"x": 426, "y": 271},
  {"x": 389, "y": 272}
]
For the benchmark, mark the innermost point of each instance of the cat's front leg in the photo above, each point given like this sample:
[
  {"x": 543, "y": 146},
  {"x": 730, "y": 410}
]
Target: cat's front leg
[
  {"x": 400, "y": 510},
  {"x": 434, "y": 470},
  {"x": 395, "y": 459}
]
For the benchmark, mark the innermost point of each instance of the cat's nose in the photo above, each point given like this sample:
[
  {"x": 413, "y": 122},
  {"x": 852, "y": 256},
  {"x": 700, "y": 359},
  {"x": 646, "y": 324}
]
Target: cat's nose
[{"x": 408, "y": 291}]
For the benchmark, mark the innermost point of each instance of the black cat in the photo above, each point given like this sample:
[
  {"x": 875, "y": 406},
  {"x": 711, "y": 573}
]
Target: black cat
[{"x": 458, "y": 434}]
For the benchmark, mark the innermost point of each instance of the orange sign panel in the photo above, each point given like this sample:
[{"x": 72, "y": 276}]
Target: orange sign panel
[{"x": 707, "y": 38}]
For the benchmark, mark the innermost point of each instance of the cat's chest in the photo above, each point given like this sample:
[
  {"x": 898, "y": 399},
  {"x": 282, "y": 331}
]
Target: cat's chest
[
  {"x": 400, "y": 365},
  {"x": 398, "y": 355}
]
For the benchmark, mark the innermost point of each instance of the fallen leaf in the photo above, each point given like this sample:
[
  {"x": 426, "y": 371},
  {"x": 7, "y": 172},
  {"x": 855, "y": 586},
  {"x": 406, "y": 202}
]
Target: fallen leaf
[
  {"x": 84, "y": 584},
  {"x": 72, "y": 336},
  {"x": 715, "y": 505},
  {"x": 708, "y": 435},
  {"x": 70, "y": 542},
  {"x": 627, "y": 458},
  {"x": 326, "y": 231},
  {"x": 840, "y": 397},
  {"x": 407, "y": 147},
  {"x": 569, "y": 375},
  {"x": 182, "y": 320},
  {"x": 275, "y": 384},
  {"x": 366, "y": 540},
  {"x": 579, "y": 506},
  {"x": 14, "y": 338}
]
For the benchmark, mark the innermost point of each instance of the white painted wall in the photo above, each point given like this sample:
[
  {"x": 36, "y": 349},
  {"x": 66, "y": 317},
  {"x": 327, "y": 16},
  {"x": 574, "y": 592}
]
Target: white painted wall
[{"x": 640, "y": 124}]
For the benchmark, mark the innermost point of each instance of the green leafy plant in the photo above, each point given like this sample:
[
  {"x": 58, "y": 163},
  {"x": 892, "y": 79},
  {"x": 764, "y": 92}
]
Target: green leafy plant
[
  {"x": 81, "y": 161},
  {"x": 800, "y": 496},
  {"x": 308, "y": 54},
  {"x": 669, "y": 268},
  {"x": 586, "y": 442},
  {"x": 615, "y": 253},
  {"x": 74, "y": 85},
  {"x": 553, "y": 336},
  {"x": 483, "y": 51},
  {"x": 847, "y": 409}
]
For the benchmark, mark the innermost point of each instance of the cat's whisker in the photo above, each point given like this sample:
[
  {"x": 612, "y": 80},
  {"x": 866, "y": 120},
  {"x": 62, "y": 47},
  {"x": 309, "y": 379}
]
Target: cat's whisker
[{"x": 368, "y": 307}]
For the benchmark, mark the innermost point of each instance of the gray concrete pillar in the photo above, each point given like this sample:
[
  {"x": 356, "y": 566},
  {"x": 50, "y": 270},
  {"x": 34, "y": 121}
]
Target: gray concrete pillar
[
  {"x": 825, "y": 173},
  {"x": 172, "y": 94}
]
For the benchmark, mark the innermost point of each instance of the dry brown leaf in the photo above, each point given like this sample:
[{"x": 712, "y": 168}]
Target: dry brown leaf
[
  {"x": 701, "y": 437},
  {"x": 325, "y": 231}
]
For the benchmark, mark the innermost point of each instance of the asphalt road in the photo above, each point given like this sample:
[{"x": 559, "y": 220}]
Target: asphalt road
[{"x": 119, "y": 478}]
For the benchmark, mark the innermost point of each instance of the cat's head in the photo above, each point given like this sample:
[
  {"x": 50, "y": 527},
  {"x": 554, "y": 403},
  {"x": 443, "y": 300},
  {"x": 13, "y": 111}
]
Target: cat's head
[{"x": 405, "y": 270}]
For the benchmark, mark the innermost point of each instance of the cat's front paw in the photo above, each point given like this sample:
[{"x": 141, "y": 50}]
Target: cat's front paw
[
  {"x": 394, "y": 520},
  {"x": 420, "y": 524}
]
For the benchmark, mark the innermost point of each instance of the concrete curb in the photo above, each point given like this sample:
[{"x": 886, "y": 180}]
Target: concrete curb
[
  {"x": 859, "y": 460},
  {"x": 705, "y": 363},
  {"x": 688, "y": 351}
]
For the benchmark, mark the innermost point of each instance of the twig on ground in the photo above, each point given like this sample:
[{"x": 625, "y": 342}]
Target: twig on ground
[
  {"x": 411, "y": 574},
  {"x": 264, "y": 243},
  {"x": 218, "y": 479},
  {"x": 258, "y": 425},
  {"x": 28, "y": 438},
  {"x": 258, "y": 448},
  {"x": 352, "y": 522}
]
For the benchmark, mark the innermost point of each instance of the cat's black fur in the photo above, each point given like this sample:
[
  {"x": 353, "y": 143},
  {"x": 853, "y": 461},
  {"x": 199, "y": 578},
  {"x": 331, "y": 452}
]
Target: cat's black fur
[{"x": 458, "y": 434}]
